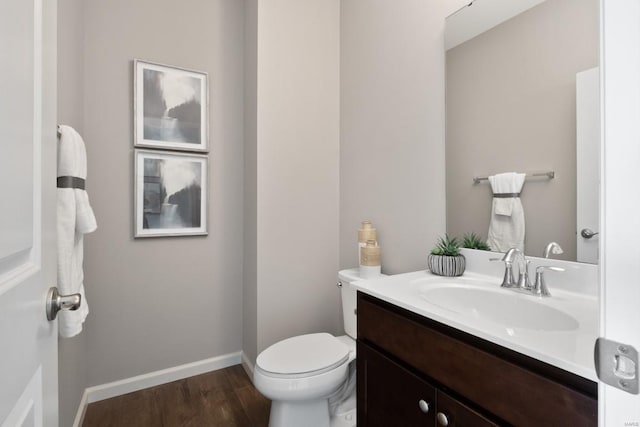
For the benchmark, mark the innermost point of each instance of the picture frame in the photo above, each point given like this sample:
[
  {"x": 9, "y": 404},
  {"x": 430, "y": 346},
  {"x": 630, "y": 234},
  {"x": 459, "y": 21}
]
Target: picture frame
[
  {"x": 171, "y": 107},
  {"x": 170, "y": 193}
]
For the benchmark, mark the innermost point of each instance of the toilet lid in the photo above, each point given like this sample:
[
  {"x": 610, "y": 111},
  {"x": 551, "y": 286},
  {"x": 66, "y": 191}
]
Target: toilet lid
[{"x": 303, "y": 354}]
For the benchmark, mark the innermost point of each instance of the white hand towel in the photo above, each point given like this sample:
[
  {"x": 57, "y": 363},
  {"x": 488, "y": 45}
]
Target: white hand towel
[
  {"x": 506, "y": 228},
  {"x": 75, "y": 218}
]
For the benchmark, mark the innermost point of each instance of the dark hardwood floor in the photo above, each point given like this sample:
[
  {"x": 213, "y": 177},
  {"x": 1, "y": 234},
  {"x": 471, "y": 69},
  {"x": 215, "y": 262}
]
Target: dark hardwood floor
[{"x": 220, "y": 398}]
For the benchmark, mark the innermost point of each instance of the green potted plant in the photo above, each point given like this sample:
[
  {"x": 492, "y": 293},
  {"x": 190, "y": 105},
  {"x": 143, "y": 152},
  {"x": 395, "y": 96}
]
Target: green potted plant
[
  {"x": 445, "y": 258},
  {"x": 473, "y": 241}
]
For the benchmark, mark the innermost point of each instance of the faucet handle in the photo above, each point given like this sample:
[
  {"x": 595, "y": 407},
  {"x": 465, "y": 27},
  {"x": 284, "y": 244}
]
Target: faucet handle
[
  {"x": 508, "y": 281},
  {"x": 540, "y": 288}
]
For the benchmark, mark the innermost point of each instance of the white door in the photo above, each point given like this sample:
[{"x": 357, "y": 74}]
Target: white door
[
  {"x": 28, "y": 342},
  {"x": 588, "y": 164},
  {"x": 620, "y": 225}
]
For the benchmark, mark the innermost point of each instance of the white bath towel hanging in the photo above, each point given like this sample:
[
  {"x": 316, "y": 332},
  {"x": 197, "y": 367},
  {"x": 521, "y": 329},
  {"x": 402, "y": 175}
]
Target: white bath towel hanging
[
  {"x": 75, "y": 219},
  {"x": 506, "y": 227}
]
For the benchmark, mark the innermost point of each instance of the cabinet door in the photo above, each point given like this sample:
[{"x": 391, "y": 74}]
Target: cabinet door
[
  {"x": 452, "y": 413},
  {"x": 390, "y": 395}
]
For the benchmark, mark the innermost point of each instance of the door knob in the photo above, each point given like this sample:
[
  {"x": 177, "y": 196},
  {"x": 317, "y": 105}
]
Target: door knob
[
  {"x": 57, "y": 302},
  {"x": 588, "y": 233}
]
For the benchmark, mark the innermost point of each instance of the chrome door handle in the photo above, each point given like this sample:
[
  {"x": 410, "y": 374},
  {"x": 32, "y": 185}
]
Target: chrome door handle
[
  {"x": 588, "y": 233},
  {"x": 57, "y": 302}
]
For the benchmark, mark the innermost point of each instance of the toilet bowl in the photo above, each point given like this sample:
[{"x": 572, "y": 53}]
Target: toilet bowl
[
  {"x": 310, "y": 379},
  {"x": 300, "y": 374}
]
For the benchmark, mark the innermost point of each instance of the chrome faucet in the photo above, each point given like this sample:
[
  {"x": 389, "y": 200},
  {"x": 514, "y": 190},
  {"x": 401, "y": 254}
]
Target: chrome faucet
[
  {"x": 523, "y": 278},
  {"x": 509, "y": 258},
  {"x": 512, "y": 256},
  {"x": 523, "y": 267},
  {"x": 552, "y": 248},
  {"x": 540, "y": 288}
]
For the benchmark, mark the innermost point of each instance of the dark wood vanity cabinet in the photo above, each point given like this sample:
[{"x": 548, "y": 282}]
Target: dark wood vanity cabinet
[
  {"x": 390, "y": 395},
  {"x": 404, "y": 358}
]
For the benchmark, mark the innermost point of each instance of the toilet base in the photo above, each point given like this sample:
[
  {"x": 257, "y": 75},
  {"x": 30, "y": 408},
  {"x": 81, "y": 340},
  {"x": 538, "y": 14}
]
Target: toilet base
[
  {"x": 346, "y": 419},
  {"x": 311, "y": 413},
  {"x": 345, "y": 413},
  {"x": 308, "y": 413}
]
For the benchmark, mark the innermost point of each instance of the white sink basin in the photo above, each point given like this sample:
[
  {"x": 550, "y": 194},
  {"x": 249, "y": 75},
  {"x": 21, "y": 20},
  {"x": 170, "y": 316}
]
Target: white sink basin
[{"x": 505, "y": 307}]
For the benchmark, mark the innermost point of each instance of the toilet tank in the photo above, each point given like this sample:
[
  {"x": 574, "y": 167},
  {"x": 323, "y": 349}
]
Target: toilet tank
[
  {"x": 348, "y": 294},
  {"x": 349, "y": 300}
]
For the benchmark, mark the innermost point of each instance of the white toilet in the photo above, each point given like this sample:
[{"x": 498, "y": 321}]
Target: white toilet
[{"x": 310, "y": 379}]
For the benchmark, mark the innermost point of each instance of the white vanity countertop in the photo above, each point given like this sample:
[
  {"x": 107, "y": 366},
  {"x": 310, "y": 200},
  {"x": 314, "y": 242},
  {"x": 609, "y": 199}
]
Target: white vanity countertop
[{"x": 569, "y": 348}]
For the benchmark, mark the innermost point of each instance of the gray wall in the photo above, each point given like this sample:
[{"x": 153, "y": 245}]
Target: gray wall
[
  {"x": 297, "y": 166},
  {"x": 72, "y": 353},
  {"x": 160, "y": 302},
  {"x": 511, "y": 107},
  {"x": 297, "y": 203},
  {"x": 392, "y": 127}
]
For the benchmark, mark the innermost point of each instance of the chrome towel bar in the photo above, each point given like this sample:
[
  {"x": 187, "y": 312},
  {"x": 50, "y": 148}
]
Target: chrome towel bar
[{"x": 550, "y": 175}]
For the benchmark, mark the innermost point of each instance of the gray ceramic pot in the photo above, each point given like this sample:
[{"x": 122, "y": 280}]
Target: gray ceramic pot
[{"x": 449, "y": 266}]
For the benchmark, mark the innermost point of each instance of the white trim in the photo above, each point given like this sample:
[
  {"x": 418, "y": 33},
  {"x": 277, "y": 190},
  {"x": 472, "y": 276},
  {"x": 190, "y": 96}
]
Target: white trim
[
  {"x": 82, "y": 409},
  {"x": 620, "y": 200},
  {"x": 247, "y": 365},
  {"x": 151, "y": 379}
]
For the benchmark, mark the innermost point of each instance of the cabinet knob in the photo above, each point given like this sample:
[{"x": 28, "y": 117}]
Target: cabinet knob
[
  {"x": 424, "y": 406},
  {"x": 442, "y": 419}
]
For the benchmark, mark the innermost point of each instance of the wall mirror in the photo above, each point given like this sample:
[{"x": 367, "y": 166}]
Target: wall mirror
[{"x": 522, "y": 95}]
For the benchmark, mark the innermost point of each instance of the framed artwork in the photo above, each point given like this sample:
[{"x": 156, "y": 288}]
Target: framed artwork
[
  {"x": 170, "y": 194},
  {"x": 170, "y": 107}
]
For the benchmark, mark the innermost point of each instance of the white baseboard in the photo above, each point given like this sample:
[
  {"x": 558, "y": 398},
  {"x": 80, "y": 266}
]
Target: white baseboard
[
  {"x": 151, "y": 379},
  {"x": 82, "y": 409},
  {"x": 247, "y": 365}
]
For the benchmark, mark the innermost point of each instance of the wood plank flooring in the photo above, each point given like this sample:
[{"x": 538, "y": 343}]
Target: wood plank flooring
[{"x": 223, "y": 398}]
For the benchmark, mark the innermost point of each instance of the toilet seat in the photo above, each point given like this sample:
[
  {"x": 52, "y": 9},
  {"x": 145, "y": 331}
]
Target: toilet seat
[{"x": 303, "y": 356}]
